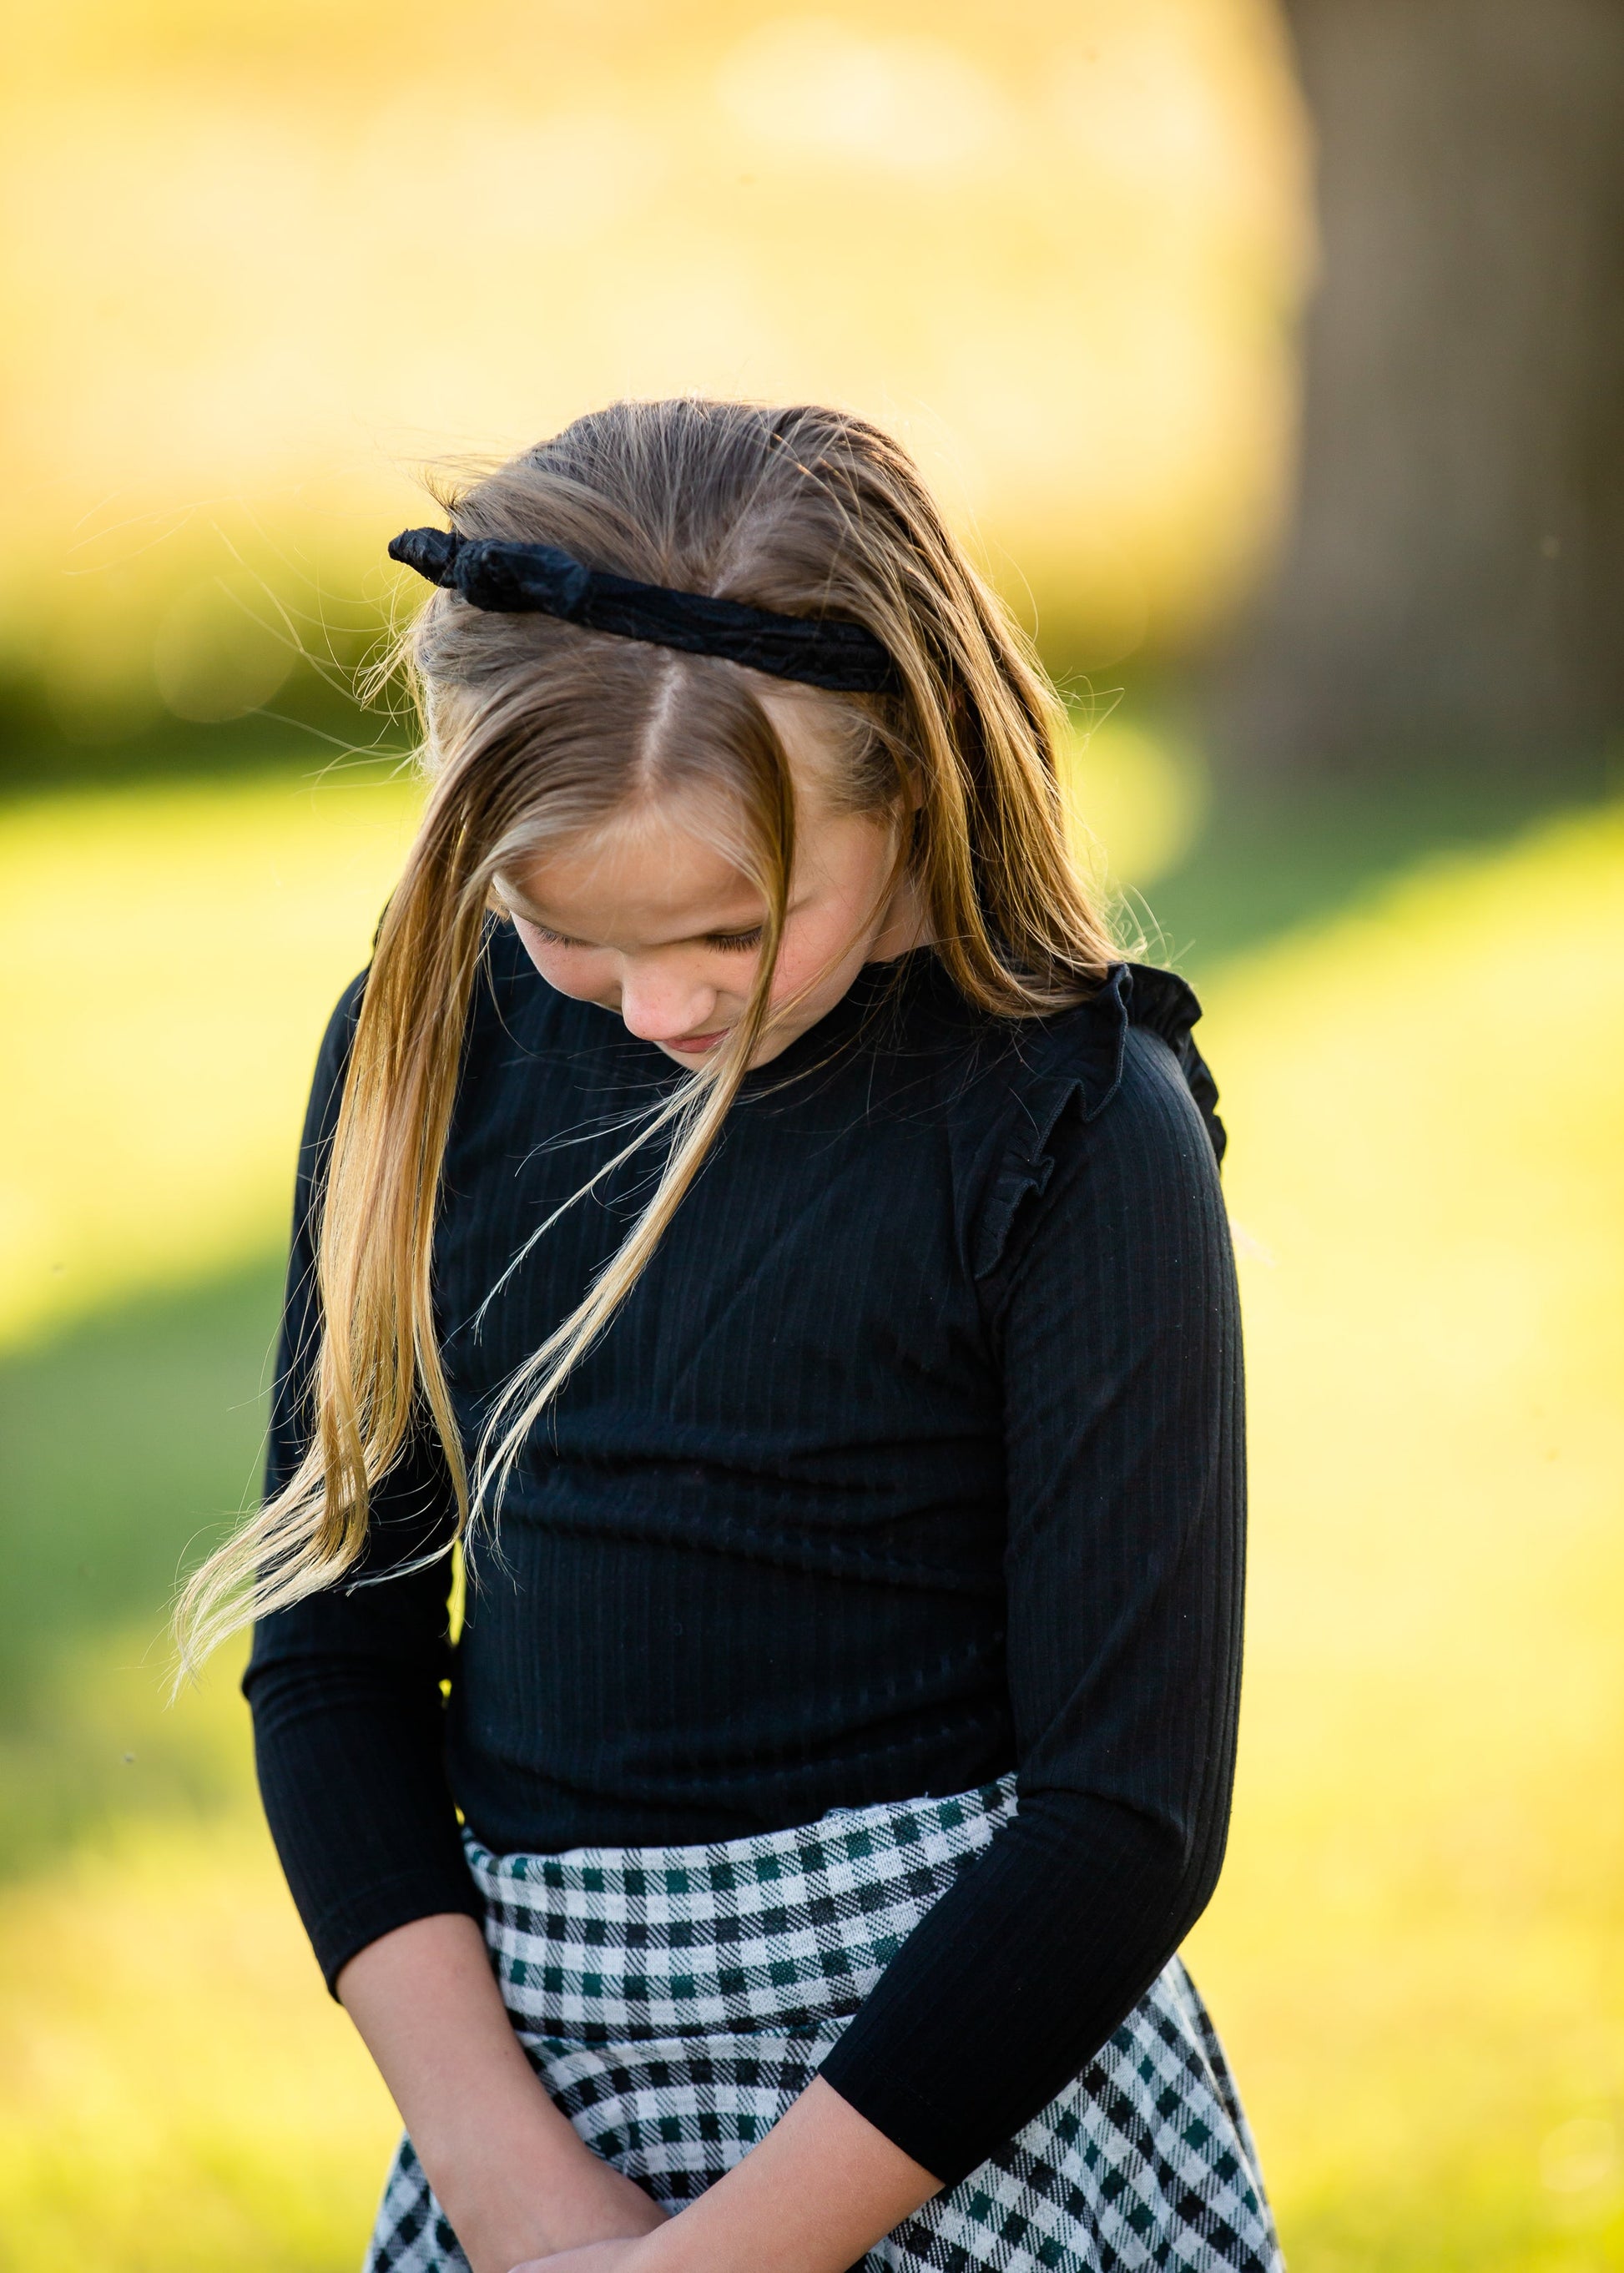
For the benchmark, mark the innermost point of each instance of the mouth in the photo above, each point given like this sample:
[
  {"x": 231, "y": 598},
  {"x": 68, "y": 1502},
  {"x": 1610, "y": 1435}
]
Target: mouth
[{"x": 695, "y": 1046}]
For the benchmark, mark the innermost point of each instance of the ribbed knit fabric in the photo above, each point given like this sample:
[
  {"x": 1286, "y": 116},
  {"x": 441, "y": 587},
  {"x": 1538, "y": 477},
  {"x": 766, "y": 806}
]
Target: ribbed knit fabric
[{"x": 914, "y": 1457}]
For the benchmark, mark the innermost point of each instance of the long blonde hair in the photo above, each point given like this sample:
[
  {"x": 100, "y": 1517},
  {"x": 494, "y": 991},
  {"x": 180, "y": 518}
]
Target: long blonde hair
[{"x": 534, "y": 732}]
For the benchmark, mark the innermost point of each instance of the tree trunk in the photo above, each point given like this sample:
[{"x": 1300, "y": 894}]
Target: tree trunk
[{"x": 1453, "y": 588}]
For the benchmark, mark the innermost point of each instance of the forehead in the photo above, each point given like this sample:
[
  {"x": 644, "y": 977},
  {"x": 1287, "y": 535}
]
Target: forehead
[
  {"x": 648, "y": 874},
  {"x": 669, "y": 865}
]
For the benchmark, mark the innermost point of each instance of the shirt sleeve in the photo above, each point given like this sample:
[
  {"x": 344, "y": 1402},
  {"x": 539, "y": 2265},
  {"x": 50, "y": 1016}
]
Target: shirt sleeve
[
  {"x": 345, "y": 1687},
  {"x": 1115, "y": 1313}
]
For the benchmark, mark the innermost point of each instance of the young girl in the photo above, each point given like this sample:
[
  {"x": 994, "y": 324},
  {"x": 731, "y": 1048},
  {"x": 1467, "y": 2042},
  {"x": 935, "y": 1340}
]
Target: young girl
[{"x": 747, "y": 1207}]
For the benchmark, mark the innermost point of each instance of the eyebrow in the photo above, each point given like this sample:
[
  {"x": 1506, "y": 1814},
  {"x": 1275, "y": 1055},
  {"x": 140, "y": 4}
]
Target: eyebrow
[{"x": 529, "y": 914}]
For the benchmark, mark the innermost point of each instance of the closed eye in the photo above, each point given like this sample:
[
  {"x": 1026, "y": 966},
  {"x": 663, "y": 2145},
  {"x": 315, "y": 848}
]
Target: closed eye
[{"x": 738, "y": 942}]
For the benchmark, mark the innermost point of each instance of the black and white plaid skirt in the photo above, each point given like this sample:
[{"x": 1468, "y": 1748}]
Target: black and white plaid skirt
[{"x": 675, "y": 2000}]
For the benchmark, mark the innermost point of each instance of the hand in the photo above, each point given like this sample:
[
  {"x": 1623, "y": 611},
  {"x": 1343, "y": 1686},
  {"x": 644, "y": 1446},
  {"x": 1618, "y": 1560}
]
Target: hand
[
  {"x": 510, "y": 2173},
  {"x": 598, "y": 2210},
  {"x": 597, "y": 2257}
]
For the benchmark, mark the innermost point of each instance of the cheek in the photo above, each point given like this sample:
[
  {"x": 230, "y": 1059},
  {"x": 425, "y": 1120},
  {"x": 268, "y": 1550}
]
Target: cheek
[
  {"x": 813, "y": 955},
  {"x": 570, "y": 970}
]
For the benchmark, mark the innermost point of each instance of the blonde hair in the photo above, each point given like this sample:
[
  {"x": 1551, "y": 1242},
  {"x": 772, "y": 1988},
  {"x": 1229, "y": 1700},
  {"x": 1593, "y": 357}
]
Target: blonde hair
[{"x": 535, "y": 732}]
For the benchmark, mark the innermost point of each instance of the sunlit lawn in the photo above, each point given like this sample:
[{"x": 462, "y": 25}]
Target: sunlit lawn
[
  {"x": 1416, "y": 1952},
  {"x": 166, "y": 952},
  {"x": 1417, "y": 1947}
]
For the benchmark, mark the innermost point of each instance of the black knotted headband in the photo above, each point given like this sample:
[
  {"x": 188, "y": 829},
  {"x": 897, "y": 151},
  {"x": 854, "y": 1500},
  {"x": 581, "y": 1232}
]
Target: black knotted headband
[{"x": 540, "y": 580}]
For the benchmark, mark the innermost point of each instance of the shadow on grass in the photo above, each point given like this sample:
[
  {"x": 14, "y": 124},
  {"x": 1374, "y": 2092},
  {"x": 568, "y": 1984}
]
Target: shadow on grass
[
  {"x": 126, "y": 1444},
  {"x": 1270, "y": 859}
]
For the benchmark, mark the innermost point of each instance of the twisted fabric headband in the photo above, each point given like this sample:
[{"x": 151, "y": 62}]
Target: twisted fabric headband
[{"x": 540, "y": 580}]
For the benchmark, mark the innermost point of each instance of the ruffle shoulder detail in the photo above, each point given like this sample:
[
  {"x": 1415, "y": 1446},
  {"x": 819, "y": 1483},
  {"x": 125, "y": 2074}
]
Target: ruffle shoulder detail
[{"x": 1079, "y": 1056}]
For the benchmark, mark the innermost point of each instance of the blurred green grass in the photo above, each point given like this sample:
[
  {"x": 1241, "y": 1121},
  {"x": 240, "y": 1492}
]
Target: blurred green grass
[
  {"x": 171, "y": 951},
  {"x": 1415, "y": 1954},
  {"x": 124, "y": 1442}
]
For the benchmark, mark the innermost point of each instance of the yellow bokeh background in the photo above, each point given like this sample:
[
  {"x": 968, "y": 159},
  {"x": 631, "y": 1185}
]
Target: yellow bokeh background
[{"x": 269, "y": 259}]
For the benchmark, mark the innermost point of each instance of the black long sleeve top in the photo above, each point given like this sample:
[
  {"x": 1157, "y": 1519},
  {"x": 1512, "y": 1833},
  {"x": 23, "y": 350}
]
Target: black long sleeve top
[{"x": 914, "y": 1457}]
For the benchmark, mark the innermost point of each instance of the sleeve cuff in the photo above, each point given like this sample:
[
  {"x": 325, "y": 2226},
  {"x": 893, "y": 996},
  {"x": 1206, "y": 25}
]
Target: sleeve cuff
[
  {"x": 921, "y": 2130},
  {"x": 340, "y": 1934}
]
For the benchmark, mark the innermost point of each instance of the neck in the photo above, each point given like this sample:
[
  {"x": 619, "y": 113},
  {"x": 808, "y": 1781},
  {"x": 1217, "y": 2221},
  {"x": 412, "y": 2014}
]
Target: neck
[{"x": 905, "y": 923}]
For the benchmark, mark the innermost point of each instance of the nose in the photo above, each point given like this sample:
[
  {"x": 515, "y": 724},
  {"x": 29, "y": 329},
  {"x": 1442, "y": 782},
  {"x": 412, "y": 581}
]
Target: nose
[{"x": 662, "y": 1006}]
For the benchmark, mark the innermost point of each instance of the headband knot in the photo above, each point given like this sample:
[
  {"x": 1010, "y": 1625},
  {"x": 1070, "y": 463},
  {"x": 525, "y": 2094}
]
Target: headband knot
[
  {"x": 540, "y": 580},
  {"x": 431, "y": 552}
]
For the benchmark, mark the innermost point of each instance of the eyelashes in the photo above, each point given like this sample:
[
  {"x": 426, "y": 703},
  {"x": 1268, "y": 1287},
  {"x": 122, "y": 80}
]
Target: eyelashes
[{"x": 730, "y": 943}]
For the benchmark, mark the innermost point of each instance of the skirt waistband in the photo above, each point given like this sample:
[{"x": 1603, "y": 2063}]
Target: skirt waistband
[{"x": 781, "y": 1932}]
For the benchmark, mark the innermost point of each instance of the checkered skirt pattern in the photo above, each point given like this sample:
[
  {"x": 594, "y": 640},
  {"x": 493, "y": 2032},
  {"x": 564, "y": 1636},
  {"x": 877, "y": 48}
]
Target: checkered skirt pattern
[{"x": 675, "y": 2000}]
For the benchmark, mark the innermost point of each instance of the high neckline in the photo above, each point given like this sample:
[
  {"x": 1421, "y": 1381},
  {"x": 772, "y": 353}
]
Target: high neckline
[{"x": 872, "y": 986}]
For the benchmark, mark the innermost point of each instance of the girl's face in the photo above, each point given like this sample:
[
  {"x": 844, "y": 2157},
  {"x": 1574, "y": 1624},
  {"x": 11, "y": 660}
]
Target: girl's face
[{"x": 648, "y": 919}]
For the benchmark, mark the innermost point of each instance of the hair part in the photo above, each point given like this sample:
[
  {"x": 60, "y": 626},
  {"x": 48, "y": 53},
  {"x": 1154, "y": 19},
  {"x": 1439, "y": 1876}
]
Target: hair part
[{"x": 535, "y": 733}]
